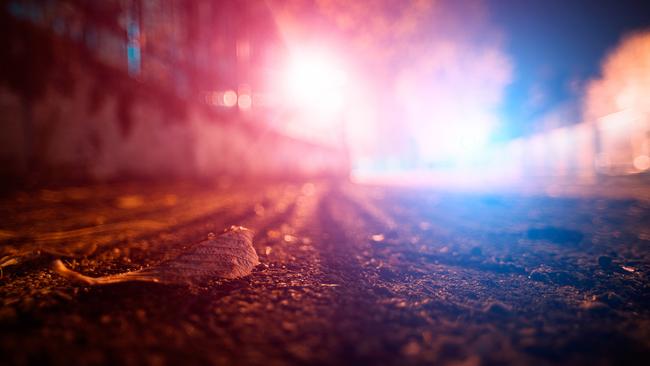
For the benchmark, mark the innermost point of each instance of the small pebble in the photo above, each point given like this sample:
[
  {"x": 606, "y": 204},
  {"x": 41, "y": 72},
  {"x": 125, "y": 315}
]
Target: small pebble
[
  {"x": 595, "y": 306},
  {"x": 411, "y": 349},
  {"x": 628, "y": 269},
  {"x": 610, "y": 298},
  {"x": 540, "y": 276},
  {"x": 605, "y": 261},
  {"x": 497, "y": 308}
]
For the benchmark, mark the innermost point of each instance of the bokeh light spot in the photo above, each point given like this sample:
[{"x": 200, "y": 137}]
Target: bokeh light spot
[
  {"x": 245, "y": 101},
  {"x": 642, "y": 162},
  {"x": 229, "y": 98}
]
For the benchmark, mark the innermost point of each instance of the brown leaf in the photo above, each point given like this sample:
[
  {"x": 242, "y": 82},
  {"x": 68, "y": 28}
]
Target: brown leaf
[{"x": 230, "y": 255}]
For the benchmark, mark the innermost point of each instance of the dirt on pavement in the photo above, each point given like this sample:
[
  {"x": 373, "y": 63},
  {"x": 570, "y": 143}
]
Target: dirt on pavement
[{"x": 350, "y": 275}]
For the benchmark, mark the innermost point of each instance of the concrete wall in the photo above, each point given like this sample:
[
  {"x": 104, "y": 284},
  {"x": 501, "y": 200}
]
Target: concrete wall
[{"x": 67, "y": 139}]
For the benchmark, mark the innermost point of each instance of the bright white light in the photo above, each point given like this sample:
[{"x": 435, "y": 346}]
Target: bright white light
[
  {"x": 244, "y": 101},
  {"x": 229, "y": 98},
  {"x": 315, "y": 80},
  {"x": 466, "y": 141},
  {"x": 450, "y": 133},
  {"x": 642, "y": 162},
  {"x": 471, "y": 138}
]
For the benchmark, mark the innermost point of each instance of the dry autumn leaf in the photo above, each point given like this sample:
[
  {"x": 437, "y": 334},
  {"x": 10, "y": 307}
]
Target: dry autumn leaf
[{"x": 229, "y": 255}]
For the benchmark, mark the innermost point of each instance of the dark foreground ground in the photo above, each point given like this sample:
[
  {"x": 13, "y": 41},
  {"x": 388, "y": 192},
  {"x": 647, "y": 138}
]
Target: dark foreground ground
[{"x": 349, "y": 275}]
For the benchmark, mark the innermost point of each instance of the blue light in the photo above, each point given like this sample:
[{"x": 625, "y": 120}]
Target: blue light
[{"x": 133, "y": 46}]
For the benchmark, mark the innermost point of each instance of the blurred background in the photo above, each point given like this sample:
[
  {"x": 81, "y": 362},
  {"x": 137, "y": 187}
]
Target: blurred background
[{"x": 470, "y": 94}]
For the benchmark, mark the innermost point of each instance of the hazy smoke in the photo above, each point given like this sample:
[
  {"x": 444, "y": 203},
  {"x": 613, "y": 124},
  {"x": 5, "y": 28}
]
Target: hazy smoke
[
  {"x": 449, "y": 97},
  {"x": 428, "y": 74},
  {"x": 625, "y": 80}
]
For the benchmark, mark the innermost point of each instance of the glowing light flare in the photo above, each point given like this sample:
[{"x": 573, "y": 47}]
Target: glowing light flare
[
  {"x": 452, "y": 135},
  {"x": 642, "y": 162},
  {"x": 229, "y": 98},
  {"x": 245, "y": 102},
  {"x": 245, "y": 99},
  {"x": 465, "y": 139},
  {"x": 315, "y": 80}
]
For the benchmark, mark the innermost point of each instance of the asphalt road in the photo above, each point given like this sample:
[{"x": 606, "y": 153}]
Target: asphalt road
[{"x": 350, "y": 275}]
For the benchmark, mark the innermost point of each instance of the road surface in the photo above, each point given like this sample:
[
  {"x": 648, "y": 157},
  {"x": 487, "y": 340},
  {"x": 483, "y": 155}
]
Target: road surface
[{"x": 350, "y": 274}]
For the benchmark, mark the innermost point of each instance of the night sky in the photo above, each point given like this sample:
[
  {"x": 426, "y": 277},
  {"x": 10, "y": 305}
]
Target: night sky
[{"x": 556, "y": 46}]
